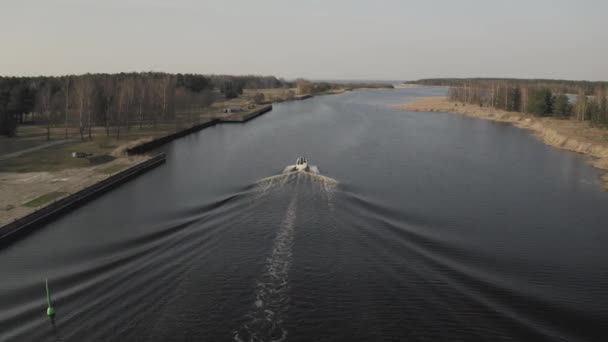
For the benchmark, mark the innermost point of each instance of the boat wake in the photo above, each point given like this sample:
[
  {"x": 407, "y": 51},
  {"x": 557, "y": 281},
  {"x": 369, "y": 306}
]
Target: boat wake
[
  {"x": 317, "y": 181},
  {"x": 294, "y": 168},
  {"x": 265, "y": 320}
]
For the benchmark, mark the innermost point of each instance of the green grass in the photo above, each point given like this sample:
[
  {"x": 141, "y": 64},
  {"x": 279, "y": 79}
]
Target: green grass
[
  {"x": 59, "y": 157},
  {"x": 56, "y": 158},
  {"x": 44, "y": 199},
  {"x": 10, "y": 145},
  {"x": 112, "y": 169}
]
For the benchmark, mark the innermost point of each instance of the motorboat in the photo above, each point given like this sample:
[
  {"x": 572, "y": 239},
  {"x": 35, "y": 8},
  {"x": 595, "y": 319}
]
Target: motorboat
[{"x": 301, "y": 165}]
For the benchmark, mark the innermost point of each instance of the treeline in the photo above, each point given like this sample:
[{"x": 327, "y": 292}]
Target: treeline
[
  {"x": 537, "y": 99},
  {"x": 308, "y": 87},
  {"x": 556, "y": 86},
  {"x": 364, "y": 85},
  {"x": 115, "y": 101},
  {"x": 232, "y": 86}
]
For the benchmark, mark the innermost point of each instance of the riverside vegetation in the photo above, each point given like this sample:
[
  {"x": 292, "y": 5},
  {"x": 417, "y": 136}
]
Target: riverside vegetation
[
  {"x": 99, "y": 113},
  {"x": 550, "y": 108},
  {"x": 543, "y": 98},
  {"x": 43, "y": 120}
]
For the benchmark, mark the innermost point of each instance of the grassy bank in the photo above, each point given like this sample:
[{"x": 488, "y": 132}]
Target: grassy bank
[
  {"x": 35, "y": 171},
  {"x": 31, "y": 151},
  {"x": 566, "y": 134},
  {"x": 23, "y": 192},
  {"x": 44, "y": 199},
  {"x": 57, "y": 157}
]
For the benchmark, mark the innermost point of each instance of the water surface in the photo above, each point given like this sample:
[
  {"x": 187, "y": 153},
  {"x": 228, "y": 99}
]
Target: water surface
[{"x": 428, "y": 227}]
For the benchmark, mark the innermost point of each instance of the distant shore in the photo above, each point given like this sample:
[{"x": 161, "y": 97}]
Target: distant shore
[{"x": 569, "y": 135}]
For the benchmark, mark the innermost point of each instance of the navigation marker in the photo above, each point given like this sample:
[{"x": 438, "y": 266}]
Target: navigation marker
[{"x": 49, "y": 310}]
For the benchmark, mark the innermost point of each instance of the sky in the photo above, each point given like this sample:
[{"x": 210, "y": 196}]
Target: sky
[{"x": 315, "y": 39}]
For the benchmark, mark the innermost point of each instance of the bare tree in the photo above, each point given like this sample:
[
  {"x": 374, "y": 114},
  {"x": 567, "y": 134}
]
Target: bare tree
[
  {"x": 164, "y": 92},
  {"x": 165, "y": 84},
  {"x": 67, "y": 103},
  {"x": 107, "y": 89},
  {"x": 44, "y": 106},
  {"x": 129, "y": 93},
  {"x": 90, "y": 101},
  {"x": 124, "y": 97},
  {"x": 524, "y": 99},
  {"x": 142, "y": 91},
  {"x": 581, "y": 105},
  {"x": 83, "y": 92}
]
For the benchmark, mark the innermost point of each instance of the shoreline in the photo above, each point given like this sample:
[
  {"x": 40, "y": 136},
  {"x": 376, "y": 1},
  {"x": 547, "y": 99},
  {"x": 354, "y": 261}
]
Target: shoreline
[
  {"x": 35, "y": 192},
  {"x": 241, "y": 117},
  {"x": 66, "y": 201},
  {"x": 570, "y": 135}
]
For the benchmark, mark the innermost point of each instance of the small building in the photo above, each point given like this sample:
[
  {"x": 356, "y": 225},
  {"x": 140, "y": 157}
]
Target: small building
[{"x": 232, "y": 110}]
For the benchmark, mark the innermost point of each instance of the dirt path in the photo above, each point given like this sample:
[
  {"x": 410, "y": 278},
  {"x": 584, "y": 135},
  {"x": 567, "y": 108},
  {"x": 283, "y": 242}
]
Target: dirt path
[{"x": 33, "y": 149}]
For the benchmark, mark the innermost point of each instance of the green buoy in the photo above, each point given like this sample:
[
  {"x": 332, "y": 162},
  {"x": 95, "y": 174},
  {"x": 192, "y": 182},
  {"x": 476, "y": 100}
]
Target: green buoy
[{"x": 49, "y": 310}]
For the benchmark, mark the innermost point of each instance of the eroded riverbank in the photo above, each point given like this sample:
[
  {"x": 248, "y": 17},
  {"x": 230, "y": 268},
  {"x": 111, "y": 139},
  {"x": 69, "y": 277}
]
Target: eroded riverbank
[{"x": 569, "y": 135}]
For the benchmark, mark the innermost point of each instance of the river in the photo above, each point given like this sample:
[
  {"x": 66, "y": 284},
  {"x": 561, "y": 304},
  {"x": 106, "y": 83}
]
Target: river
[{"x": 421, "y": 227}]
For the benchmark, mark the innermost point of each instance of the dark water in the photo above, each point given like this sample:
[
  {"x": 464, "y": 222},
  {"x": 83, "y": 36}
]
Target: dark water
[{"x": 438, "y": 228}]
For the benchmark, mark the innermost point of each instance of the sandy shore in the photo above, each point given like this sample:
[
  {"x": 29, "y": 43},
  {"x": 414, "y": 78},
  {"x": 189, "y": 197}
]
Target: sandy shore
[{"x": 565, "y": 134}]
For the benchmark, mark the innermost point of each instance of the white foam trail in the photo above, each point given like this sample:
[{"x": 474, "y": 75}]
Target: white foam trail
[
  {"x": 328, "y": 186},
  {"x": 314, "y": 169},
  {"x": 325, "y": 184},
  {"x": 311, "y": 169},
  {"x": 266, "y": 184},
  {"x": 265, "y": 320}
]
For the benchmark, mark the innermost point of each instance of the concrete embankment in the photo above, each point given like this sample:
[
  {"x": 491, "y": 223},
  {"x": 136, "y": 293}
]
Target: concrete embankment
[
  {"x": 235, "y": 118},
  {"x": 569, "y": 135},
  {"x": 246, "y": 117},
  {"x": 158, "y": 142},
  {"x": 70, "y": 202}
]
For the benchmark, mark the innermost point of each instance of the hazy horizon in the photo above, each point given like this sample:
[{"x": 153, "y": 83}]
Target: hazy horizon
[{"x": 341, "y": 40}]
